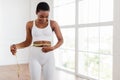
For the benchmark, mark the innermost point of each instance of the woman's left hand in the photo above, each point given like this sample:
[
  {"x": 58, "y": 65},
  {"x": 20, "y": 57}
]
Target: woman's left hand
[{"x": 47, "y": 49}]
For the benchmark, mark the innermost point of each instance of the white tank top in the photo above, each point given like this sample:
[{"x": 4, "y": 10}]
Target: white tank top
[{"x": 39, "y": 34}]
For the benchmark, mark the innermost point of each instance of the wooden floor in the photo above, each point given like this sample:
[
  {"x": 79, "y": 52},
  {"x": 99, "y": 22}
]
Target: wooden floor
[{"x": 10, "y": 72}]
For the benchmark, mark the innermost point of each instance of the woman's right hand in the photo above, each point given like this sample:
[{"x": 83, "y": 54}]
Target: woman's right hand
[{"x": 13, "y": 49}]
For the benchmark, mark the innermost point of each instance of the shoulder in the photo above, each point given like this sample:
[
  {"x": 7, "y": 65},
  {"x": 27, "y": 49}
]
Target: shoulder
[
  {"x": 53, "y": 24},
  {"x": 29, "y": 24}
]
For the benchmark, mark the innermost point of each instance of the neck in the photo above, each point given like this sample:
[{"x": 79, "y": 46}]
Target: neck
[{"x": 40, "y": 22}]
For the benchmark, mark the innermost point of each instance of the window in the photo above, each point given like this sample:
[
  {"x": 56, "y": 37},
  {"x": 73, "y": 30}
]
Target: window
[
  {"x": 65, "y": 56},
  {"x": 87, "y": 48},
  {"x": 64, "y": 12},
  {"x": 92, "y": 11},
  {"x": 95, "y": 52}
]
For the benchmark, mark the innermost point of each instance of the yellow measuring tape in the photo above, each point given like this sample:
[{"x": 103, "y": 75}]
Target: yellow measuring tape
[{"x": 18, "y": 69}]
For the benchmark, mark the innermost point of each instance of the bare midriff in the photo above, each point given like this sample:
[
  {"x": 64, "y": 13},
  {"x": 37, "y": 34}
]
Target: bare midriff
[{"x": 42, "y": 43}]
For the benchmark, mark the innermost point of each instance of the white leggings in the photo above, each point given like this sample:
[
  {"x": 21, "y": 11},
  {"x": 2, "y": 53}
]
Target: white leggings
[{"x": 40, "y": 62}]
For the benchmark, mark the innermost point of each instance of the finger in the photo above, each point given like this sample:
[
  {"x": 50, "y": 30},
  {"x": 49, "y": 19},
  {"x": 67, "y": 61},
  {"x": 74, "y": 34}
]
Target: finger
[
  {"x": 43, "y": 50},
  {"x": 13, "y": 51}
]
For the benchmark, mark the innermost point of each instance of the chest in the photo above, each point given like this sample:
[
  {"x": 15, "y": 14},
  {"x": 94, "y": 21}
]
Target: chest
[{"x": 38, "y": 32}]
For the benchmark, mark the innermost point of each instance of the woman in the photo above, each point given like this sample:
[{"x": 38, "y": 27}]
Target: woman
[{"x": 39, "y": 33}]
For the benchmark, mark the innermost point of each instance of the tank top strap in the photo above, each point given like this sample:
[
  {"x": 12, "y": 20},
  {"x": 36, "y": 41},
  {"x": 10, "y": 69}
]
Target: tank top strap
[
  {"x": 48, "y": 21},
  {"x": 49, "y": 25},
  {"x": 33, "y": 22}
]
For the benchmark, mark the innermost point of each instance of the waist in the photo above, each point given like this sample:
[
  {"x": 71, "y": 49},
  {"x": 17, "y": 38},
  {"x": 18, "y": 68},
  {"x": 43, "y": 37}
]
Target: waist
[{"x": 42, "y": 43}]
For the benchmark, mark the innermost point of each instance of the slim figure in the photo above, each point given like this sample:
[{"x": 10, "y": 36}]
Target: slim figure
[{"x": 39, "y": 34}]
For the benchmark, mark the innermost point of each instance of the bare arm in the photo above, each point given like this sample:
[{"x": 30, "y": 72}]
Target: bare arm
[
  {"x": 58, "y": 34},
  {"x": 28, "y": 40}
]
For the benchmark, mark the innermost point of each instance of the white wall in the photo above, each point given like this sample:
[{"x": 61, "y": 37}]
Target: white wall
[{"x": 13, "y": 17}]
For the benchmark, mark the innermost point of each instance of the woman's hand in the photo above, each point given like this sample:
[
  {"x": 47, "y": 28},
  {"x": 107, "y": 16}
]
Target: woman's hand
[
  {"x": 47, "y": 49},
  {"x": 13, "y": 49}
]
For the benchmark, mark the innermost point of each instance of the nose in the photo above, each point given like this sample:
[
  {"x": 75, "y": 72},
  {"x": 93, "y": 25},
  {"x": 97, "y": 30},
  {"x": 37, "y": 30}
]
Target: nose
[{"x": 44, "y": 19}]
